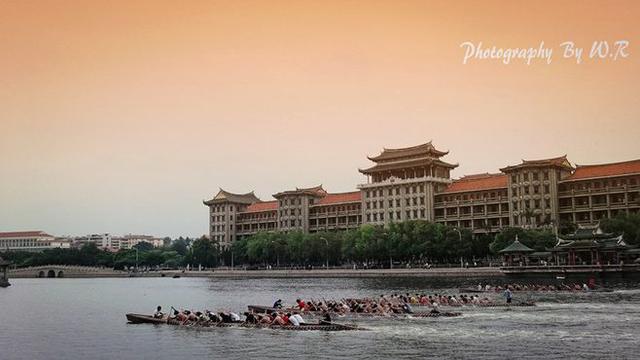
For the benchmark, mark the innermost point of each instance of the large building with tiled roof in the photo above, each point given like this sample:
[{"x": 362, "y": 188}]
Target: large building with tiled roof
[
  {"x": 30, "y": 241},
  {"x": 415, "y": 183}
]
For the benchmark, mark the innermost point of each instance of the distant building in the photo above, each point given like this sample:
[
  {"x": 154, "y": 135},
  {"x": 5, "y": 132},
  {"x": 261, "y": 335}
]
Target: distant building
[
  {"x": 30, "y": 241},
  {"x": 102, "y": 241},
  {"x": 129, "y": 241},
  {"x": 415, "y": 183}
]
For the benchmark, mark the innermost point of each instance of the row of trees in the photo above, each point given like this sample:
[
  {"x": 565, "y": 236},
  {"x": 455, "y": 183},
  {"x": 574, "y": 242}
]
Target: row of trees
[{"x": 409, "y": 242}]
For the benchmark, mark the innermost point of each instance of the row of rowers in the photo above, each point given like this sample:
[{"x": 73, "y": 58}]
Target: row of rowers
[
  {"x": 386, "y": 304},
  {"x": 191, "y": 317},
  {"x": 345, "y": 306}
]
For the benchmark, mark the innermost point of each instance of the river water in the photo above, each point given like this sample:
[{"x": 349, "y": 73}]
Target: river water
[{"x": 84, "y": 319}]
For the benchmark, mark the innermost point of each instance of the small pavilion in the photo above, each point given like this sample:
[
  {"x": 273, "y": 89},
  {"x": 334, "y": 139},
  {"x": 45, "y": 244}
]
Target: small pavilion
[{"x": 516, "y": 254}]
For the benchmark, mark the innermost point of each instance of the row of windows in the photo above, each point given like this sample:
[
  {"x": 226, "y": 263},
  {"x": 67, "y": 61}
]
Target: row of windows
[
  {"x": 533, "y": 204},
  {"x": 220, "y": 208},
  {"x": 292, "y": 212},
  {"x": 474, "y": 196},
  {"x": 408, "y": 202},
  {"x": 292, "y": 201},
  {"x": 599, "y": 184},
  {"x": 529, "y": 176},
  {"x": 11, "y": 243},
  {"x": 291, "y": 223},
  {"x": 333, "y": 209},
  {"x": 217, "y": 228},
  {"x": 221, "y": 218},
  {"x": 527, "y": 190},
  {"x": 390, "y": 191},
  {"x": 396, "y": 215}
]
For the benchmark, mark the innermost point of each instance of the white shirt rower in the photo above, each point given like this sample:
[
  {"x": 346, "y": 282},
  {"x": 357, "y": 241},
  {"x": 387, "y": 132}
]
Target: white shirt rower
[
  {"x": 296, "y": 318},
  {"x": 294, "y": 321}
]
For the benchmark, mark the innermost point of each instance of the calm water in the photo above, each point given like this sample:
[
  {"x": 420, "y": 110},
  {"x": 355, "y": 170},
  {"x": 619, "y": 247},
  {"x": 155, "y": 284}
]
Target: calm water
[{"x": 84, "y": 319}]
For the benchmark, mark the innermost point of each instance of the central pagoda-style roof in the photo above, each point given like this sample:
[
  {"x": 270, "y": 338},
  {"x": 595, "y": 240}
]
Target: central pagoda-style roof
[
  {"x": 422, "y": 150},
  {"x": 224, "y": 196},
  {"x": 558, "y": 162}
]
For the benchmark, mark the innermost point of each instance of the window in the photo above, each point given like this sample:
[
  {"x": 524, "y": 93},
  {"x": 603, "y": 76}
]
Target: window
[
  {"x": 390, "y": 203},
  {"x": 546, "y": 175}
]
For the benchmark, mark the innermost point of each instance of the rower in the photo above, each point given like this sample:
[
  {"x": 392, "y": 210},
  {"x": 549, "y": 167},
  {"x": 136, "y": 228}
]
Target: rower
[
  {"x": 296, "y": 317},
  {"x": 326, "y": 319},
  {"x": 301, "y": 304},
  {"x": 158, "y": 314},
  {"x": 278, "y": 304}
]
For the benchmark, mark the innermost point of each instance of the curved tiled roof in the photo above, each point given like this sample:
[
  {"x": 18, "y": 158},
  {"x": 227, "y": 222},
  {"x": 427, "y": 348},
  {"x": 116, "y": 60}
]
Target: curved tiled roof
[
  {"x": 225, "y": 196},
  {"x": 422, "y": 149},
  {"x": 339, "y": 198},
  {"x": 605, "y": 170},
  {"x": 262, "y": 206},
  {"x": 478, "y": 182},
  {"x": 560, "y": 161},
  {"x": 314, "y": 191}
]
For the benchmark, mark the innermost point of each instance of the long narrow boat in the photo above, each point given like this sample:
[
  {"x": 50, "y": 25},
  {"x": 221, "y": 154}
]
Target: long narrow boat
[
  {"x": 520, "y": 304},
  {"x": 147, "y": 319},
  {"x": 269, "y": 310},
  {"x": 144, "y": 319}
]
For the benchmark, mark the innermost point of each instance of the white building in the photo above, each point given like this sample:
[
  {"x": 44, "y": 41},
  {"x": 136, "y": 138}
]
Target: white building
[{"x": 30, "y": 241}]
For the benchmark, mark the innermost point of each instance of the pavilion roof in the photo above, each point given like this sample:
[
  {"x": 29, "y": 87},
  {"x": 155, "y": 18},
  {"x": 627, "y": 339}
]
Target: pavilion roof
[
  {"x": 558, "y": 162},
  {"x": 415, "y": 162},
  {"x": 224, "y": 196},
  {"x": 600, "y": 243},
  {"x": 516, "y": 247},
  {"x": 426, "y": 149},
  {"x": 477, "y": 182},
  {"x": 605, "y": 170}
]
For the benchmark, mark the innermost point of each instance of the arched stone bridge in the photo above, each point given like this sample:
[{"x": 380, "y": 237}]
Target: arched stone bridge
[{"x": 59, "y": 271}]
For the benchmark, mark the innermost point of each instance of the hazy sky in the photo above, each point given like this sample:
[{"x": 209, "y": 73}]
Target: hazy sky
[{"x": 123, "y": 116}]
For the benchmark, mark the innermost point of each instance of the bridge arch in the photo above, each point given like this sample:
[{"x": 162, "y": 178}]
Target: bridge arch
[
  {"x": 41, "y": 274},
  {"x": 51, "y": 274},
  {"x": 60, "y": 273}
]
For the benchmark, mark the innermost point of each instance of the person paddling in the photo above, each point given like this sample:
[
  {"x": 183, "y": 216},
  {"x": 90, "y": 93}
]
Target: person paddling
[
  {"x": 278, "y": 304},
  {"x": 158, "y": 314}
]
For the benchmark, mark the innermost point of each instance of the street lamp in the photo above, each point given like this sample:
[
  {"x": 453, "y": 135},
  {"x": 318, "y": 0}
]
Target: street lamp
[
  {"x": 327, "y": 248},
  {"x": 460, "y": 235},
  {"x": 277, "y": 254}
]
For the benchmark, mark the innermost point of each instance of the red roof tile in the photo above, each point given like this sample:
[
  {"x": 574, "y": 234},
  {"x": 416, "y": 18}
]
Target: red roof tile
[
  {"x": 15, "y": 234},
  {"x": 262, "y": 206},
  {"x": 338, "y": 198},
  {"x": 604, "y": 170},
  {"x": 478, "y": 182}
]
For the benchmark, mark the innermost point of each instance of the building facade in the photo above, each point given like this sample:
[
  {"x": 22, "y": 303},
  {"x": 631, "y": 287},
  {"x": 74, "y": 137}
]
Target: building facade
[
  {"x": 30, "y": 241},
  {"x": 415, "y": 183}
]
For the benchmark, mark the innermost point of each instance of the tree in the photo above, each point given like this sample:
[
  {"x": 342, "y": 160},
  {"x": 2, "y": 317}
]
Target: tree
[{"x": 143, "y": 246}]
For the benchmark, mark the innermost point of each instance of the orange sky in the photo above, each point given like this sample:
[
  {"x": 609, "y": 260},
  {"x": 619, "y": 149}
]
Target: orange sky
[{"x": 122, "y": 116}]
